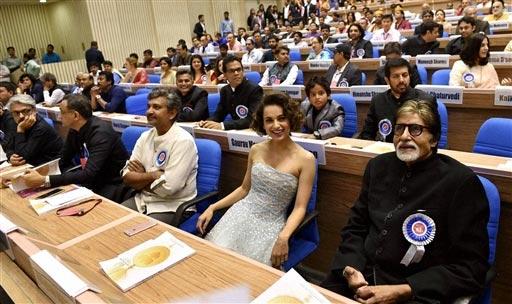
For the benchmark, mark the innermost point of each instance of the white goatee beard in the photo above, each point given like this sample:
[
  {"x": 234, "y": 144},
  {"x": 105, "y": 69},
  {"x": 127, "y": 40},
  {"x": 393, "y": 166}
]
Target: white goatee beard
[{"x": 408, "y": 156}]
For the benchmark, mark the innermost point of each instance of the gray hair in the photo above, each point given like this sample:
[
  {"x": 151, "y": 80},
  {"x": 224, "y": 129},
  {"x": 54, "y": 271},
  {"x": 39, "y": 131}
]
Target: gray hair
[
  {"x": 21, "y": 99},
  {"x": 173, "y": 100}
]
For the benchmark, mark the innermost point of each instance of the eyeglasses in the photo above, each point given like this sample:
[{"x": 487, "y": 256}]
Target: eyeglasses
[
  {"x": 413, "y": 129},
  {"x": 25, "y": 112},
  {"x": 237, "y": 70}
]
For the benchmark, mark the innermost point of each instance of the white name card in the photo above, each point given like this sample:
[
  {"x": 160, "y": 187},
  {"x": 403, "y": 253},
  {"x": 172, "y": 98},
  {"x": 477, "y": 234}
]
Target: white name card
[
  {"x": 6, "y": 227},
  {"x": 42, "y": 111},
  {"x": 294, "y": 91},
  {"x": 72, "y": 285},
  {"x": 242, "y": 142},
  {"x": 434, "y": 61},
  {"x": 315, "y": 146},
  {"x": 366, "y": 92},
  {"x": 501, "y": 58},
  {"x": 503, "y": 96},
  {"x": 445, "y": 94},
  {"x": 120, "y": 124},
  {"x": 319, "y": 64},
  {"x": 499, "y": 25}
]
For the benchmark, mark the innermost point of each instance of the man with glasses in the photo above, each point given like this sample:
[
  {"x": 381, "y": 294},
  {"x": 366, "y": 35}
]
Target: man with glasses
[
  {"x": 282, "y": 72},
  {"x": 239, "y": 98},
  {"x": 418, "y": 230},
  {"x": 498, "y": 12},
  {"x": 380, "y": 118},
  {"x": 35, "y": 142}
]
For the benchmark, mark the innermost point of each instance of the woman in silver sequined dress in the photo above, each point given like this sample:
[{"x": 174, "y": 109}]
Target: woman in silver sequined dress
[{"x": 277, "y": 170}]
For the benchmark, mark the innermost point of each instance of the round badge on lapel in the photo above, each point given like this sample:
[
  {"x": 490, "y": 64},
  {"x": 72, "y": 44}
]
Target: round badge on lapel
[
  {"x": 324, "y": 124},
  {"x": 187, "y": 109},
  {"x": 242, "y": 111},
  {"x": 344, "y": 83},
  {"x": 161, "y": 158},
  {"x": 360, "y": 53},
  {"x": 419, "y": 229},
  {"x": 385, "y": 127},
  {"x": 468, "y": 78}
]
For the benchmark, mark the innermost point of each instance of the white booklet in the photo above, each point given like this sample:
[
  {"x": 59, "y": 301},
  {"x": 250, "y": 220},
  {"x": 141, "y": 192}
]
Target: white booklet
[
  {"x": 143, "y": 261},
  {"x": 291, "y": 288},
  {"x": 49, "y": 168},
  {"x": 66, "y": 199}
]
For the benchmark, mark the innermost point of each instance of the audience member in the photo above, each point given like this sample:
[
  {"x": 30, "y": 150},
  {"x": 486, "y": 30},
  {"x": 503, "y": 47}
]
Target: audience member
[
  {"x": 278, "y": 170},
  {"x": 400, "y": 22},
  {"x": 239, "y": 98},
  {"x": 133, "y": 75},
  {"x": 206, "y": 46},
  {"x": 326, "y": 33},
  {"x": 148, "y": 60},
  {"x": 460, "y": 9},
  {"x": 109, "y": 67},
  {"x": 51, "y": 56},
  {"x": 313, "y": 31},
  {"x": 386, "y": 33},
  {"x": 32, "y": 86},
  {"x": 242, "y": 35},
  {"x": 474, "y": 69},
  {"x": 35, "y": 142},
  {"x": 425, "y": 43},
  {"x": 86, "y": 84},
  {"x": 498, "y": 12},
  {"x": 480, "y": 25},
  {"x": 4, "y": 73},
  {"x": 342, "y": 73},
  {"x": 323, "y": 117},
  {"x": 171, "y": 53},
  {"x": 165, "y": 177},
  {"x": 52, "y": 92},
  {"x": 466, "y": 27},
  {"x": 427, "y": 15},
  {"x": 93, "y": 55},
  {"x": 375, "y": 21},
  {"x": 233, "y": 44},
  {"x": 183, "y": 57},
  {"x": 376, "y": 259},
  {"x": 393, "y": 50},
  {"x": 168, "y": 75},
  {"x": 100, "y": 149},
  {"x": 379, "y": 122},
  {"x": 318, "y": 53},
  {"x": 226, "y": 26},
  {"x": 196, "y": 46},
  {"x": 200, "y": 27},
  {"x": 441, "y": 19},
  {"x": 282, "y": 72},
  {"x": 273, "y": 43},
  {"x": 95, "y": 71},
  {"x": 253, "y": 55},
  {"x": 216, "y": 75},
  {"x": 194, "y": 100},
  {"x": 7, "y": 124},
  {"x": 359, "y": 47},
  {"x": 198, "y": 70},
  {"x": 106, "y": 96},
  {"x": 31, "y": 66},
  {"x": 297, "y": 41},
  {"x": 12, "y": 62}
]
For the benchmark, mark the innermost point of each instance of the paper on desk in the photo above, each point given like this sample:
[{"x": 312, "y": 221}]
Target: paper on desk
[
  {"x": 380, "y": 147},
  {"x": 291, "y": 288},
  {"x": 65, "y": 278},
  {"x": 66, "y": 199},
  {"x": 506, "y": 166},
  {"x": 49, "y": 168},
  {"x": 237, "y": 294}
]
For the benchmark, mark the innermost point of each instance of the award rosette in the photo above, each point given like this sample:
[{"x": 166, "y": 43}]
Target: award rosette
[
  {"x": 468, "y": 78},
  {"x": 161, "y": 157},
  {"x": 360, "y": 53},
  {"x": 324, "y": 124},
  {"x": 385, "y": 128},
  {"x": 419, "y": 230},
  {"x": 241, "y": 111}
]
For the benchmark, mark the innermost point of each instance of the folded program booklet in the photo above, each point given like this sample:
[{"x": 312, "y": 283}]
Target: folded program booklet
[
  {"x": 66, "y": 199},
  {"x": 140, "y": 263},
  {"x": 49, "y": 168}
]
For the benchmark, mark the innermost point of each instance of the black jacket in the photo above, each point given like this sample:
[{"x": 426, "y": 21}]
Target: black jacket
[
  {"x": 380, "y": 76},
  {"x": 93, "y": 55},
  {"x": 362, "y": 44},
  {"x": 37, "y": 145},
  {"x": 268, "y": 56},
  {"x": 7, "y": 130},
  {"x": 198, "y": 30},
  {"x": 454, "y": 46},
  {"x": 247, "y": 95},
  {"x": 384, "y": 106},
  {"x": 455, "y": 262},
  {"x": 351, "y": 74},
  {"x": 106, "y": 156},
  {"x": 194, "y": 105},
  {"x": 417, "y": 46}
]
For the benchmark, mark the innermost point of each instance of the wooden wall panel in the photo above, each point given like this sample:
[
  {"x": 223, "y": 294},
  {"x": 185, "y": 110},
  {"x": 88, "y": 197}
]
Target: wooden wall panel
[
  {"x": 65, "y": 71},
  {"x": 171, "y": 24}
]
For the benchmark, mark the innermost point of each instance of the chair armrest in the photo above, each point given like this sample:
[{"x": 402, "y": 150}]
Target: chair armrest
[
  {"x": 308, "y": 218},
  {"x": 490, "y": 275},
  {"x": 74, "y": 168},
  {"x": 184, "y": 206}
]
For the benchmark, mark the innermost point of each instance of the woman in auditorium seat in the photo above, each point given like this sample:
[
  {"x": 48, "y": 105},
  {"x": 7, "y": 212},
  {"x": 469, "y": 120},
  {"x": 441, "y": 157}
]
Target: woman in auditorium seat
[
  {"x": 168, "y": 75},
  {"x": 198, "y": 69},
  {"x": 216, "y": 75},
  {"x": 28, "y": 84},
  {"x": 278, "y": 170},
  {"x": 134, "y": 75},
  {"x": 317, "y": 44},
  {"x": 474, "y": 69},
  {"x": 400, "y": 22},
  {"x": 440, "y": 19},
  {"x": 360, "y": 48}
]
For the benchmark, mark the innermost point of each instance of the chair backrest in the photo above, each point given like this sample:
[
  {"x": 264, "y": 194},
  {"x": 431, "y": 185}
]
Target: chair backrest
[
  {"x": 441, "y": 77},
  {"x": 495, "y": 137},
  {"x": 422, "y": 71},
  {"x": 253, "y": 77},
  {"x": 443, "y": 114},
  {"x": 154, "y": 78},
  {"x": 295, "y": 55},
  {"x": 348, "y": 103},
  {"x": 208, "y": 171},
  {"x": 206, "y": 60},
  {"x": 213, "y": 101},
  {"x": 49, "y": 121},
  {"x": 300, "y": 78},
  {"x": 446, "y": 34},
  {"x": 130, "y": 136},
  {"x": 117, "y": 78},
  {"x": 137, "y": 104},
  {"x": 376, "y": 52},
  {"x": 143, "y": 91}
]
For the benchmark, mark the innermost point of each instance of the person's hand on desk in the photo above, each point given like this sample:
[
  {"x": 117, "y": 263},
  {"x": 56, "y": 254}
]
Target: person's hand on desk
[
  {"x": 208, "y": 124},
  {"x": 507, "y": 81},
  {"x": 33, "y": 179},
  {"x": 16, "y": 160},
  {"x": 383, "y": 294}
]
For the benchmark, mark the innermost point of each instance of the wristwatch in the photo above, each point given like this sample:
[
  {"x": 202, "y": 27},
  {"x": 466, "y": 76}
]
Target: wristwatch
[
  {"x": 98, "y": 96},
  {"x": 317, "y": 135}
]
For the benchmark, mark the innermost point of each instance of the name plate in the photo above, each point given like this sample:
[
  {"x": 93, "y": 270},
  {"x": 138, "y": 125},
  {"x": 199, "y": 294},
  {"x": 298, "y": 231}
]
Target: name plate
[
  {"x": 42, "y": 111},
  {"x": 6, "y": 227},
  {"x": 503, "y": 96},
  {"x": 499, "y": 25},
  {"x": 366, "y": 92},
  {"x": 434, "y": 61},
  {"x": 501, "y": 58},
  {"x": 315, "y": 146},
  {"x": 319, "y": 64},
  {"x": 120, "y": 124},
  {"x": 294, "y": 91},
  {"x": 69, "y": 282},
  {"x": 242, "y": 142},
  {"x": 445, "y": 94}
]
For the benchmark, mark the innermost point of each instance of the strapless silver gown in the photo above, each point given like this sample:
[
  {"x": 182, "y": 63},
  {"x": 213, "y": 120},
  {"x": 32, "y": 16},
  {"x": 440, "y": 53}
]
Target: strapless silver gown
[{"x": 252, "y": 225}]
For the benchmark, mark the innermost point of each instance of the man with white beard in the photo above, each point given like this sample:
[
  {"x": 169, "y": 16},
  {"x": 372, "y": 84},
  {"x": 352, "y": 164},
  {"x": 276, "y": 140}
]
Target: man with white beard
[
  {"x": 417, "y": 231},
  {"x": 380, "y": 118}
]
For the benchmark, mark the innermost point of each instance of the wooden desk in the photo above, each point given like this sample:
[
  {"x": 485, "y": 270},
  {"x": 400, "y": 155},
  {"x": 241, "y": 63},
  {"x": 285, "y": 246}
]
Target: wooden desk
[{"x": 209, "y": 269}]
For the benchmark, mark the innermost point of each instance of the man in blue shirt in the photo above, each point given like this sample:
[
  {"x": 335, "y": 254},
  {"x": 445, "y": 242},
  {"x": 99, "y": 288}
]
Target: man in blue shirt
[
  {"x": 106, "y": 96},
  {"x": 51, "y": 56},
  {"x": 226, "y": 26}
]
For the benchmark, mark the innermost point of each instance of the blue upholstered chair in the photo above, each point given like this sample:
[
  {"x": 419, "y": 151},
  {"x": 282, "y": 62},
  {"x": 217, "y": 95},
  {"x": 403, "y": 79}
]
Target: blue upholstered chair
[
  {"x": 49, "y": 121},
  {"x": 130, "y": 136},
  {"x": 137, "y": 104},
  {"x": 143, "y": 91},
  {"x": 154, "y": 78},
  {"x": 422, "y": 71},
  {"x": 348, "y": 103},
  {"x": 295, "y": 55},
  {"x": 376, "y": 52},
  {"x": 441, "y": 77},
  {"x": 443, "y": 141},
  {"x": 213, "y": 101},
  {"x": 495, "y": 137},
  {"x": 207, "y": 180},
  {"x": 300, "y": 78},
  {"x": 253, "y": 77}
]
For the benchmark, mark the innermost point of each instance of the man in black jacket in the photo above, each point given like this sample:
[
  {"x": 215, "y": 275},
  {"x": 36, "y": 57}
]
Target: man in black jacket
[
  {"x": 342, "y": 73},
  {"x": 393, "y": 50},
  {"x": 239, "y": 98},
  {"x": 194, "y": 100},
  {"x": 200, "y": 27},
  {"x": 418, "y": 228},
  {"x": 466, "y": 26},
  {"x": 100, "y": 150},
  {"x": 425, "y": 43},
  {"x": 93, "y": 55},
  {"x": 380, "y": 118},
  {"x": 35, "y": 142},
  {"x": 7, "y": 124}
]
